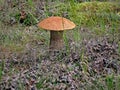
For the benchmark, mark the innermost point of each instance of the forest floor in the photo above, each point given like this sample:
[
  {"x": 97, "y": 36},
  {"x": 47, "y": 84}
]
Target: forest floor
[{"x": 90, "y": 59}]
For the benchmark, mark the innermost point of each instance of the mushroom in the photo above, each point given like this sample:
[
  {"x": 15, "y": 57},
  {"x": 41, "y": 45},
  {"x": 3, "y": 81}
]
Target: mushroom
[{"x": 56, "y": 25}]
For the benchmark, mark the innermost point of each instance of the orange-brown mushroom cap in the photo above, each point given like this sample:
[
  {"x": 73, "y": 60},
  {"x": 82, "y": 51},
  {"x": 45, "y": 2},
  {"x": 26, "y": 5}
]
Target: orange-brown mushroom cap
[{"x": 56, "y": 23}]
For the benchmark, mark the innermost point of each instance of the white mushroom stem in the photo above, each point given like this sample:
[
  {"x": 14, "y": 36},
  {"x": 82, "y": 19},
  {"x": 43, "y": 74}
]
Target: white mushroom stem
[{"x": 56, "y": 40}]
